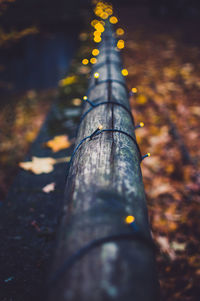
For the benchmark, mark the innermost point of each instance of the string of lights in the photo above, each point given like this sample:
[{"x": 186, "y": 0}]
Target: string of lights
[
  {"x": 100, "y": 130},
  {"x": 105, "y": 11},
  {"x": 99, "y": 82},
  {"x": 112, "y": 62},
  {"x": 108, "y": 50},
  {"x": 95, "y": 105},
  {"x": 80, "y": 253},
  {"x": 99, "y": 29}
]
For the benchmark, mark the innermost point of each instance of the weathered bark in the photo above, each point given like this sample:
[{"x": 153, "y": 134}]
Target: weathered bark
[{"x": 104, "y": 186}]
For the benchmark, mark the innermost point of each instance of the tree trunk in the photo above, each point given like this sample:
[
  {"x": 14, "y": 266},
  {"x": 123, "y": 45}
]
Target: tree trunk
[{"x": 99, "y": 256}]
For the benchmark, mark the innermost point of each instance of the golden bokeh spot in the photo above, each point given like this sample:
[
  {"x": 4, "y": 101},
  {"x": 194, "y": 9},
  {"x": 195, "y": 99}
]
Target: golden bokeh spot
[
  {"x": 68, "y": 81},
  {"x": 109, "y": 11},
  {"x": 100, "y": 127},
  {"x": 97, "y": 39},
  {"x": 85, "y": 98},
  {"x": 141, "y": 124},
  {"x": 85, "y": 61},
  {"x": 97, "y": 33},
  {"x": 120, "y": 44},
  {"x": 96, "y": 75},
  {"x": 103, "y": 10},
  {"x": 113, "y": 20},
  {"x": 94, "y": 22},
  {"x": 99, "y": 27},
  {"x": 148, "y": 154},
  {"x": 102, "y": 22},
  {"x": 93, "y": 60},
  {"x": 98, "y": 12},
  {"x": 104, "y": 15},
  {"x": 124, "y": 72},
  {"x": 119, "y": 31},
  {"x": 129, "y": 219},
  {"x": 95, "y": 52},
  {"x": 134, "y": 90}
]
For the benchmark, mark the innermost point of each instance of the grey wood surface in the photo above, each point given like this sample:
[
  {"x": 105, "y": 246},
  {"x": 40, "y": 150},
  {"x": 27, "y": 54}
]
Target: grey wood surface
[{"x": 104, "y": 186}]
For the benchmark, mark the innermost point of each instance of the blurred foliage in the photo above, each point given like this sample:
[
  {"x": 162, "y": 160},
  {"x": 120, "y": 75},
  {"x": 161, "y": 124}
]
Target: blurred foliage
[
  {"x": 22, "y": 115},
  {"x": 7, "y": 37},
  {"x": 10, "y": 35},
  {"x": 20, "y": 120},
  {"x": 165, "y": 72}
]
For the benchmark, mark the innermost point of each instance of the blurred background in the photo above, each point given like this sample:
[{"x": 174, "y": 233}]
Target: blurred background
[{"x": 42, "y": 44}]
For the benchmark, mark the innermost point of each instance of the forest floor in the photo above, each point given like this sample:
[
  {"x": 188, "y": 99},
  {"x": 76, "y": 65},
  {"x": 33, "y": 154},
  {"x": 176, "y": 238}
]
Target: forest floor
[
  {"x": 21, "y": 117},
  {"x": 162, "y": 59}
]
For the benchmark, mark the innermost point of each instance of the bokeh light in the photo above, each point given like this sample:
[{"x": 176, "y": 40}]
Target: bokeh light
[
  {"x": 129, "y": 219},
  {"x": 113, "y": 20},
  {"x": 95, "y": 52},
  {"x": 96, "y": 75},
  {"x": 93, "y": 60},
  {"x": 120, "y": 32},
  {"x": 97, "y": 39},
  {"x": 124, "y": 72},
  {"x": 85, "y": 61},
  {"x": 134, "y": 90},
  {"x": 120, "y": 44}
]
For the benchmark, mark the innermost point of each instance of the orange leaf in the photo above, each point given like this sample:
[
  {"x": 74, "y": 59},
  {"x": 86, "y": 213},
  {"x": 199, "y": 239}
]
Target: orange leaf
[{"x": 58, "y": 143}]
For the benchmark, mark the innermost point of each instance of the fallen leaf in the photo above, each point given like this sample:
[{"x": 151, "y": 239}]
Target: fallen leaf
[
  {"x": 42, "y": 165},
  {"x": 68, "y": 80},
  {"x": 58, "y": 143},
  {"x": 195, "y": 110},
  {"x": 176, "y": 246},
  {"x": 162, "y": 188},
  {"x": 165, "y": 246},
  {"x": 49, "y": 187}
]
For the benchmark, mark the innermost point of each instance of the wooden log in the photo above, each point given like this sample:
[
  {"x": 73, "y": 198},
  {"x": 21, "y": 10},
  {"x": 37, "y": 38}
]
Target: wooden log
[{"x": 100, "y": 257}]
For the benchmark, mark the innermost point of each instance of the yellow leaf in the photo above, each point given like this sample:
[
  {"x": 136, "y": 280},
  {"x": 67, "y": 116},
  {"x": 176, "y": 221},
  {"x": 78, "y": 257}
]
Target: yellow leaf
[
  {"x": 141, "y": 99},
  {"x": 42, "y": 165},
  {"x": 177, "y": 246},
  {"x": 68, "y": 80},
  {"x": 58, "y": 143}
]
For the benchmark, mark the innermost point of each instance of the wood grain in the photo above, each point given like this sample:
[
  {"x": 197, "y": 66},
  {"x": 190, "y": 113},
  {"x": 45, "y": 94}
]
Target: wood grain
[{"x": 104, "y": 186}]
